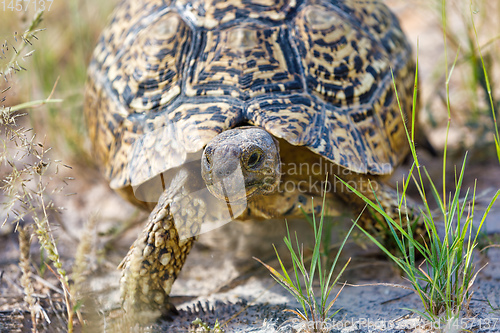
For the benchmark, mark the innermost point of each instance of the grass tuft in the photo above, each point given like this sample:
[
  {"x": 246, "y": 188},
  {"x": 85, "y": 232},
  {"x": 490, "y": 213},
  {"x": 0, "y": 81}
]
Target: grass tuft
[
  {"x": 29, "y": 182},
  {"x": 315, "y": 310},
  {"x": 444, "y": 279}
]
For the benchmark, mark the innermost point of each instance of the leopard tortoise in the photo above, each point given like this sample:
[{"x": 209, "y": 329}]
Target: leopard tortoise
[{"x": 208, "y": 110}]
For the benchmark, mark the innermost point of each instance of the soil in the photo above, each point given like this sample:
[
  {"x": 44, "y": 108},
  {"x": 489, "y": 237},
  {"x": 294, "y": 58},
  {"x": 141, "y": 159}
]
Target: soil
[{"x": 221, "y": 280}]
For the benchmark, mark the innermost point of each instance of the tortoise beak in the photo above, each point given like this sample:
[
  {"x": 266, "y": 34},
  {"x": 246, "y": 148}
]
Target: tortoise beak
[{"x": 229, "y": 187}]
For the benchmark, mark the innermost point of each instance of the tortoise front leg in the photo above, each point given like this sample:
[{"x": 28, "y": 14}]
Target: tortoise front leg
[
  {"x": 151, "y": 267},
  {"x": 157, "y": 256}
]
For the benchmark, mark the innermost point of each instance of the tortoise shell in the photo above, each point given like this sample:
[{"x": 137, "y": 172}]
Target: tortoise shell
[{"x": 168, "y": 76}]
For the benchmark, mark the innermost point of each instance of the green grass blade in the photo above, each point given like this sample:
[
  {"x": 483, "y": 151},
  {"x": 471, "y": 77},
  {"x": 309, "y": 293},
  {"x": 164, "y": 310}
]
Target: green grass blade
[
  {"x": 327, "y": 309},
  {"x": 375, "y": 207},
  {"x": 326, "y": 291},
  {"x": 488, "y": 86},
  {"x": 295, "y": 270},
  {"x": 284, "y": 281},
  {"x": 492, "y": 202}
]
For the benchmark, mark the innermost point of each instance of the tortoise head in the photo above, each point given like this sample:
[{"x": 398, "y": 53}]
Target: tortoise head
[{"x": 241, "y": 163}]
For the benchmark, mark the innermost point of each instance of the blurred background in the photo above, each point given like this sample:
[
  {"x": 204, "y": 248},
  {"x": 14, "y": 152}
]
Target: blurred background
[{"x": 62, "y": 52}]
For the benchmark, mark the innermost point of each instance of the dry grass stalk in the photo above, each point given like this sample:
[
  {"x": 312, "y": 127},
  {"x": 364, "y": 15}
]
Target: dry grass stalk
[
  {"x": 30, "y": 34},
  {"x": 26, "y": 184},
  {"x": 81, "y": 265},
  {"x": 24, "y": 263}
]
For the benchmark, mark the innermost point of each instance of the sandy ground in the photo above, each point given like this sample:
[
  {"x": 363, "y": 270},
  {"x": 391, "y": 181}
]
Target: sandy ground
[{"x": 221, "y": 280}]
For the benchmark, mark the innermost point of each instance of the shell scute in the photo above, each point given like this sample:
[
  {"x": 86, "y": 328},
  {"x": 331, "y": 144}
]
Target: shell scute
[
  {"x": 212, "y": 13},
  {"x": 294, "y": 118},
  {"x": 182, "y": 131},
  {"x": 243, "y": 62},
  {"x": 151, "y": 75},
  {"x": 354, "y": 61}
]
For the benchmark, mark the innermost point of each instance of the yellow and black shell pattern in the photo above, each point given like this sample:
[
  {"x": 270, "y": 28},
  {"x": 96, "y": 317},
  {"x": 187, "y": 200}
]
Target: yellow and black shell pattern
[{"x": 168, "y": 76}]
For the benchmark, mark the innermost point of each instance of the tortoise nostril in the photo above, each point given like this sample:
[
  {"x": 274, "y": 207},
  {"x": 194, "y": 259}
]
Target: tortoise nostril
[
  {"x": 225, "y": 160},
  {"x": 224, "y": 172}
]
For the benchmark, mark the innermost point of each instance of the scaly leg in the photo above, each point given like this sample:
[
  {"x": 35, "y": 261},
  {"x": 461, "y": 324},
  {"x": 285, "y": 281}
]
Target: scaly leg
[{"x": 157, "y": 256}]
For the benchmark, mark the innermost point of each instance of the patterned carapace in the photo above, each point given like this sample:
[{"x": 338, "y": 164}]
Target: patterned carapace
[{"x": 315, "y": 73}]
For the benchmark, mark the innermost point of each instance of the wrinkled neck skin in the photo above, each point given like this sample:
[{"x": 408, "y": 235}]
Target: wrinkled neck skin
[{"x": 241, "y": 164}]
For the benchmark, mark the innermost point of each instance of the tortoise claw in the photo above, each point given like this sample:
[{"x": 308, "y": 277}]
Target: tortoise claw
[{"x": 169, "y": 312}]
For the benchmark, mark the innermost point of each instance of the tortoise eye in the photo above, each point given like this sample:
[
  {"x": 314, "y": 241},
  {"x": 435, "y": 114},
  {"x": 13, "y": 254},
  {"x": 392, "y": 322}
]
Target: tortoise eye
[
  {"x": 254, "y": 159},
  {"x": 208, "y": 161}
]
